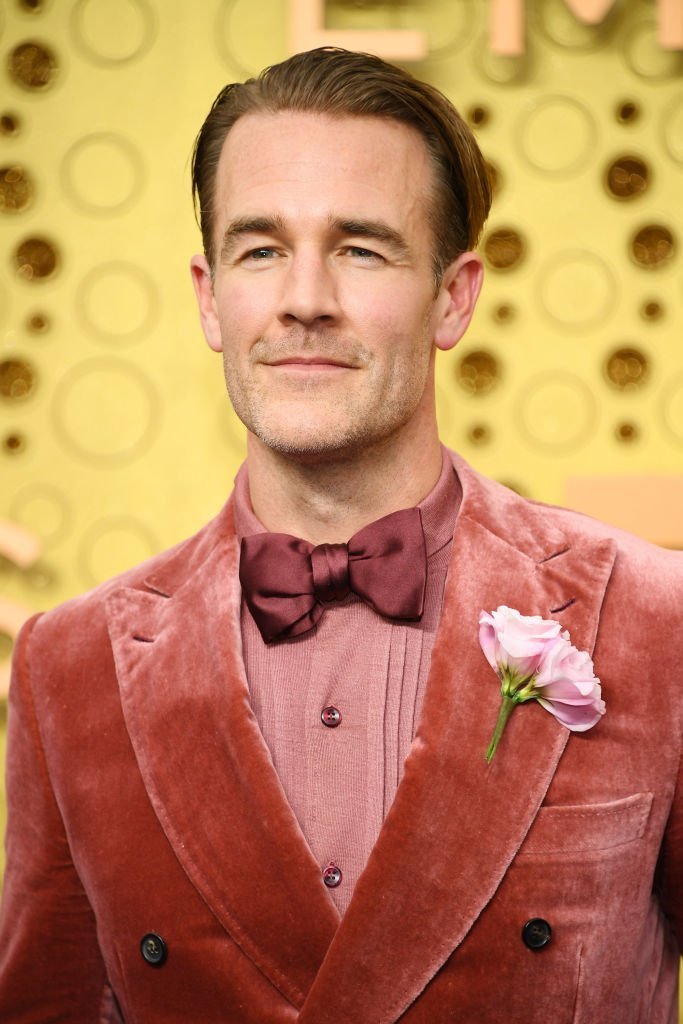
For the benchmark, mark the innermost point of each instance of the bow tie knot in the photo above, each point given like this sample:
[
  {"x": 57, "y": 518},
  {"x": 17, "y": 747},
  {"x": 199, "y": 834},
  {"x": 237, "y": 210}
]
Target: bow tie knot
[
  {"x": 288, "y": 582},
  {"x": 330, "y": 567}
]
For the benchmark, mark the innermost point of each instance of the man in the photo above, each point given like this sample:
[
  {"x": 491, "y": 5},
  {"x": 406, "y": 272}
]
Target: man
[{"x": 247, "y": 780}]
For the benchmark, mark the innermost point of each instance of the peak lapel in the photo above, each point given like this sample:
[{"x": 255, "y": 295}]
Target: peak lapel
[
  {"x": 208, "y": 772},
  {"x": 456, "y": 822}
]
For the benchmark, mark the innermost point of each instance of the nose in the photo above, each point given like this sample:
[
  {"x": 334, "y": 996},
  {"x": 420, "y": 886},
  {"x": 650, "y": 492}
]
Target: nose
[{"x": 309, "y": 291}]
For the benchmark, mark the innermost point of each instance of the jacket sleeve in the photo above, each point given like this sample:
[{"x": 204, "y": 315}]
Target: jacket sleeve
[{"x": 50, "y": 965}]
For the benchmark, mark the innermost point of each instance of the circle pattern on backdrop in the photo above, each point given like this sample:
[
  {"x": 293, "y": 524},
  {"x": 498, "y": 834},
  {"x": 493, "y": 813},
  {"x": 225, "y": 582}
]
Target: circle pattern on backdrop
[
  {"x": 33, "y": 65},
  {"x": 17, "y": 189},
  {"x": 17, "y": 380},
  {"x": 113, "y": 544},
  {"x": 112, "y": 34},
  {"x": 557, "y": 135},
  {"x": 577, "y": 289},
  {"x": 106, "y": 411},
  {"x": 557, "y": 411},
  {"x": 117, "y": 302},
  {"x": 44, "y": 510},
  {"x": 672, "y": 408},
  {"x": 672, "y": 128},
  {"x": 646, "y": 57},
  {"x": 250, "y": 36},
  {"x": 103, "y": 173},
  {"x": 627, "y": 368},
  {"x": 36, "y": 259},
  {"x": 560, "y": 26},
  {"x": 627, "y": 177}
]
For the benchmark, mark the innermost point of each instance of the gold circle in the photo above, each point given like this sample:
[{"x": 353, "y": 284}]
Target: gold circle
[
  {"x": 652, "y": 309},
  {"x": 627, "y": 111},
  {"x": 478, "y": 372},
  {"x": 17, "y": 379},
  {"x": 627, "y": 177},
  {"x": 504, "y": 313},
  {"x": 479, "y": 115},
  {"x": 16, "y": 189},
  {"x": 627, "y": 432},
  {"x": 10, "y": 123},
  {"x": 479, "y": 434},
  {"x": 36, "y": 259},
  {"x": 14, "y": 444},
  {"x": 627, "y": 369},
  {"x": 653, "y": 246},
  {"x": 32, "y": 65},
  {"x": 495, "y": 177},
  {"x": 504, "y": 249},
  {"x": 646, "y": 56},
  {"x": 38, "y": 323}
]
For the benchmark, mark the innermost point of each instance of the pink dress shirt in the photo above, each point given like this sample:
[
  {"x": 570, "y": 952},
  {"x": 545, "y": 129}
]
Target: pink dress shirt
[{"x": 368, "y": 674}]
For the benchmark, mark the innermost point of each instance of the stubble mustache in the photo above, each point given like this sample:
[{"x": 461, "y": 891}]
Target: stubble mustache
[{"x": 297, "y": 344}]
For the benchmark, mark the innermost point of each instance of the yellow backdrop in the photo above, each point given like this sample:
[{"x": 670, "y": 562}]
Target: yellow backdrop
[{"x": 115, "y": 436}]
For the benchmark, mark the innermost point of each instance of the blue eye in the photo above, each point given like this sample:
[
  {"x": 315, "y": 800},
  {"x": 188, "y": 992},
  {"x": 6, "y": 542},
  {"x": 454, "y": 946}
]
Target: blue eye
[
  {"x": 260, "y": 254},
  {"x": 366, "y": 254}
]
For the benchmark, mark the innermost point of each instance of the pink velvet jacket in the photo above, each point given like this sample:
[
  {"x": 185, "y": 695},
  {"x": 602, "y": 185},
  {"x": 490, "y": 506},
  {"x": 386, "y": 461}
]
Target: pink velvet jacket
[{"x": 142, "y": 799}]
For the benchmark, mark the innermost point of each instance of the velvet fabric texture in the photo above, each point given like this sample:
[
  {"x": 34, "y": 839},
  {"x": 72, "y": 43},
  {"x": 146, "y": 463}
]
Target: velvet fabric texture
[{"x": 142, "y": 798}]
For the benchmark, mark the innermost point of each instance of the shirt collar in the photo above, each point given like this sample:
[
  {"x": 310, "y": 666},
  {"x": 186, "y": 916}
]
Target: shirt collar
[{"x": 439, "y": 510}]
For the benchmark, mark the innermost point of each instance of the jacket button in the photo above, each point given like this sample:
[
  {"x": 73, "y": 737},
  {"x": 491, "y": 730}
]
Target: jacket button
[
  {"x": 331, "y": 716},
  {"x": 332, "y": 876},
  {"x": 536, "y": 933},
  {"x": 153, "y": 949}
]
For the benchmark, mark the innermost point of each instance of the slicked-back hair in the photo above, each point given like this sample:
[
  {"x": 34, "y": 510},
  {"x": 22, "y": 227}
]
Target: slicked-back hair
[{"x": 342, "y": 83}]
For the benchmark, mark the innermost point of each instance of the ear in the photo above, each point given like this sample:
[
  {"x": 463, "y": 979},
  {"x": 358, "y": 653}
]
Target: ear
[
  {"x": 457, "y": 298},
  {"x": 208, "y": 314}
]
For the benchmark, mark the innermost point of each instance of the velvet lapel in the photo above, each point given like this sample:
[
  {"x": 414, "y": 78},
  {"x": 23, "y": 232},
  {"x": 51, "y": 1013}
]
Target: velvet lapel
[
  {"x": 456, "y": 822},
  {"x": 207, "y": 770}
]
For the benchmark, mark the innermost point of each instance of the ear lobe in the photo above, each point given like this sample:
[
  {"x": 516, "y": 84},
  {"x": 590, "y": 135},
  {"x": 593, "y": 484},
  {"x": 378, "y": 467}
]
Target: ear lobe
[
  {"x": 457, "y": 299},
  {"x": 208, "y": 314}
]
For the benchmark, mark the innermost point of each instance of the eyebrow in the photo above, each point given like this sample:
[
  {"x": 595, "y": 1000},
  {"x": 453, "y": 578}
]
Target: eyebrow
[
  {"x": 241, "y": 226},
  {"x": 376, "y": 230},
  {"x": 373, "y": 229}
]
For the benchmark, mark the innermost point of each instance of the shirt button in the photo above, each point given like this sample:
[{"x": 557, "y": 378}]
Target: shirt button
[
  {"x": 536, "y": 933},
  {"x": 332, "y": 876},
  {"x": 331, "y": 716},
  {"x": 153, "y": 949}
]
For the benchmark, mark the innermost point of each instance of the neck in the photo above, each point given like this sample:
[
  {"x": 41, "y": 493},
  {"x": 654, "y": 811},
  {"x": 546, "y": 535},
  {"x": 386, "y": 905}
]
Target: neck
[{"x": 327, "y": 500}]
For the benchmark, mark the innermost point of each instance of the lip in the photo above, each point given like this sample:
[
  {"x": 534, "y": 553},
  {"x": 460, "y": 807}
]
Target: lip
[{"x": 309, "y": 363}]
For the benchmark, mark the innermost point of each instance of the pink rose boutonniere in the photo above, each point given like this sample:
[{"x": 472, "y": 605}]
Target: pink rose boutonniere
[{"x": 535, "y": 660}]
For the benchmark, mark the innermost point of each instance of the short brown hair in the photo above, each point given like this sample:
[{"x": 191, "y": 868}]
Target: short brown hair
[{"x": 340, "y": 82}]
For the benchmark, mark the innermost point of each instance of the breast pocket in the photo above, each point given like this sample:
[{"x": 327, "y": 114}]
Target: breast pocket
[{"x": 586, "y": 828}]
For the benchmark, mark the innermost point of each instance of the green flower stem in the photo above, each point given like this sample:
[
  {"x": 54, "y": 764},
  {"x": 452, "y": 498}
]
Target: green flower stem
[{"x": 506, "y": 708}]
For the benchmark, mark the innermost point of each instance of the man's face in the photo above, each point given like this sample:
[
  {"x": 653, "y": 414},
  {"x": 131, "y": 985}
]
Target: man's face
[{"x": 323, "y": 299}]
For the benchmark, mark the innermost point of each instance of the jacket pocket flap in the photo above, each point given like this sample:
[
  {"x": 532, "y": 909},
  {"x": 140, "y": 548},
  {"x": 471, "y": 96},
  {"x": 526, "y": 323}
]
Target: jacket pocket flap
[{"x": 581, "y": 828}]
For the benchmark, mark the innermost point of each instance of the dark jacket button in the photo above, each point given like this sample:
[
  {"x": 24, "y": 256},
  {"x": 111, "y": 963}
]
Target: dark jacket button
[
  {"x": 331, "y": 716},
  {"x": 536, "y": 933},
  {"x": 332, "y": 876},
  {"x": 153, "y": 949}
]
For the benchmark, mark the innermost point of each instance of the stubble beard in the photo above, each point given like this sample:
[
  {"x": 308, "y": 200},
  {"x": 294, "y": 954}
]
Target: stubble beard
[{"x": 362, "y": 420}]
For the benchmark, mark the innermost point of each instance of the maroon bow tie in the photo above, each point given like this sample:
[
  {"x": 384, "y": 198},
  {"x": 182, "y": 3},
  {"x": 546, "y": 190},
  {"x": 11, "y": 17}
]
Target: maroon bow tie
[{"x": 287, "y": 582}]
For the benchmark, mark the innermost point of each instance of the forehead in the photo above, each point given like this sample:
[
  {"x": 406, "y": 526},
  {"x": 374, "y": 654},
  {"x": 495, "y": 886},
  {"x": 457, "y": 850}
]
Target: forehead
[{"x": 309, "y": 162}]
